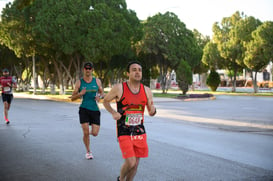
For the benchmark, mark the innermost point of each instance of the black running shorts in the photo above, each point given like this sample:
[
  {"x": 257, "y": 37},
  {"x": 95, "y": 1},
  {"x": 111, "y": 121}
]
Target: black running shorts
[
  {"x": 7, "y": 97},
  {"x": 88, "y": 116}
]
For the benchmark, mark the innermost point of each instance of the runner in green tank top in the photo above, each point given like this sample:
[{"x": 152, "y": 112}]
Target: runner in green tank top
[{"x": 90, "y": 90}]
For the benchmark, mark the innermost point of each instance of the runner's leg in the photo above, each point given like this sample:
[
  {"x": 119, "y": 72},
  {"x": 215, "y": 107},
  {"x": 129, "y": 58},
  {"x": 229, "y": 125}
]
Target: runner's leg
[
  {"x": 86, "y": 140},
  {"x": 7, "y": 98},
  {"x": 6, "y": 109},
  {"x": 130, "y": 176},
  {"x": 95, "y": 123},
  {"x": 95, "y": 130},
  {"x": 10, "y": 98},
  {"x": 128, "y": 165}
]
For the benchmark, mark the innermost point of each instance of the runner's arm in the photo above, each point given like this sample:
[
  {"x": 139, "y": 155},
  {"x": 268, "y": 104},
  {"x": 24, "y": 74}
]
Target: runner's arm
[
  {"x": 113, "y": 94},
  {"x": 14, "y": 83},
  {"x": 150, "y": 104},
  {"x": 100, "y": 90},
  {"x": 76, "y": 94}
]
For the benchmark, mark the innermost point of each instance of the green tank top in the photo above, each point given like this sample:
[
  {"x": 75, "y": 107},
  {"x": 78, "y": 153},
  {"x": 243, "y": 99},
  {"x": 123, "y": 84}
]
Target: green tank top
[{"x": 88, "y": 99}]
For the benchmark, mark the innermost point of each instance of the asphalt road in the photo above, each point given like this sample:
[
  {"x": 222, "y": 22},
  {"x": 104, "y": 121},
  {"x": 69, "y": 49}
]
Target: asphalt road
[{"x": 229, "y": 138}]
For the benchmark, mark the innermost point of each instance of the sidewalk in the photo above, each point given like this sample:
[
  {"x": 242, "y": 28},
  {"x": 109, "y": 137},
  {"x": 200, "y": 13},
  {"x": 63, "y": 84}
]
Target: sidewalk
[
  {"x": 41, "y": 97},
  {"x": 66, "y": 99}
]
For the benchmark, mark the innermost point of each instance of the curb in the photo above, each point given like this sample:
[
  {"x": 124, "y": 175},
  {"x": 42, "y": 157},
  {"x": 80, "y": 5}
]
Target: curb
[{"x": 199, "y": 99}]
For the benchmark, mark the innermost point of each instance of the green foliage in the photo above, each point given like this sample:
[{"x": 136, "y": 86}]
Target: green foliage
[
  {"x": 232, "y": 74},
  {"x": 154, "y": 72},
  {"x": 213, "y": 80},
  {"x": 16, "y": 30},
  {"x": 63, "y": 34},
  {"x": 259, "y": 49},
  {"x": 211, "y": 56},
  {"x": 201, "y": 42},
  {"x": 7, "y": 58},
  {"x": 231, "y": 36},
  {"x": 166, "y": 41},
  {"x": 25, "y": 75},
  {"x": 184, "y": 76}
]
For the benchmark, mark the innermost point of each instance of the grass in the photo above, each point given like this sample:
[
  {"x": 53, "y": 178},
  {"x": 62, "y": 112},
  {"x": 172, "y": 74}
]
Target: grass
[
  {"x": 234, "y": 93},
  {"x": 165, "y": 95}
]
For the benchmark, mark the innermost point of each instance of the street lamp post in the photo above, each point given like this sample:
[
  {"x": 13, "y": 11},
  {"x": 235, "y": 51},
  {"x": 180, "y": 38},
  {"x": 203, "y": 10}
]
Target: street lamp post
[{"x": 34, "y": 74}]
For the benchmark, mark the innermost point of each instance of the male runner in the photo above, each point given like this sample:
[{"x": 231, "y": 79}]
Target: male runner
[
  {"x": 7, "y": 83},
  {"x": 90, "y": 89},
  {"x": 131, "y": 98}
]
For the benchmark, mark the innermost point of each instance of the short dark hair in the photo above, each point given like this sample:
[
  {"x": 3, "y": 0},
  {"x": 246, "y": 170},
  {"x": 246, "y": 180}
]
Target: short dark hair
[{"x": 132, "y": 62}]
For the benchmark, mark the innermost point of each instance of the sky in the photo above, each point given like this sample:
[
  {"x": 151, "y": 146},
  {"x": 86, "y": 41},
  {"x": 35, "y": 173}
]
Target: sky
[
  {"x": 198, "y": 14},
  {"x": 202, "y": 14}
]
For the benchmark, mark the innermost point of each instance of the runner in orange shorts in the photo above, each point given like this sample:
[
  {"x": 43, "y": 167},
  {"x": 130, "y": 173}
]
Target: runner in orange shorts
[{"x": 131, "y": 98}]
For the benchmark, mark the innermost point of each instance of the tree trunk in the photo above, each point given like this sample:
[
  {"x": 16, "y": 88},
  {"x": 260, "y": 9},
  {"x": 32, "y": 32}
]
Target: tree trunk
[
  {"x": 77, "y": 65},
  {"x": 163, "y": 84},
  {"x": 203, "y": 79},
  {"x": 255, "y": 86},
  {"x": 59, "y": 75},
  {"x": 67, "y": 71},
  {"x": 44, "y": 82},
  {"x": 234, "y": 80}
]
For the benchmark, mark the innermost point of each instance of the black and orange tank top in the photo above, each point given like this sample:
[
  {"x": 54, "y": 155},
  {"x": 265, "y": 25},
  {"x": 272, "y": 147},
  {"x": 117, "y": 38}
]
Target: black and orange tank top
[{"x": 131, "y": 106}]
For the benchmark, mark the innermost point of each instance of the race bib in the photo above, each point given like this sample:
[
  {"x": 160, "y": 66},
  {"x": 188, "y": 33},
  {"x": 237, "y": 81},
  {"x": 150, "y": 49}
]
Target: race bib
[
  {"x": 6, "y": 89},
  {"x": 133, "y": 119}
]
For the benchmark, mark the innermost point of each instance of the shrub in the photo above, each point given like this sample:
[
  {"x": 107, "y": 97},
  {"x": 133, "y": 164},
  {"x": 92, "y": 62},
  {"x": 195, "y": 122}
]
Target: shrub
[{"x": 213, "y": 80}]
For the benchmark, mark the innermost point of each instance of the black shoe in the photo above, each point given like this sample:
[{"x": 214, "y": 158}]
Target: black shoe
[{"x": 118, "y": 178}]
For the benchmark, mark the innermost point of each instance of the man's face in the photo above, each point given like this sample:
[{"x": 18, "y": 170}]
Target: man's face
[
  {"x": 87, "y": 71},
  {"x": 135, "y": 72},
  {"x": 6, "y": 73}
]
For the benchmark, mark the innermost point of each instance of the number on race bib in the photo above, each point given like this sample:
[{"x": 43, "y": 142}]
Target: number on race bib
[
  {"x": 6, "y": 89},
  {"x": 133, "y": 119}
]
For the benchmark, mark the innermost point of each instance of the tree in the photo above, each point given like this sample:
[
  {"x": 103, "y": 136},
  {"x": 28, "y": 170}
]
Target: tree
[
  {"x": 243, "y": 31},
  {"x": 211, "y": 56},
  {"x": 166, "y": 42},
  {"x": 113, "y": 31},
  {"x": 229, "y": 48},
  {"x": 202, "y": 41},
  {"x": 61, "y": 32},
  {"x": 86, "y": 31},
  {"x": 16, "y": 65},
  {"x": 231, "y": 37},
  {"x": 16, "y": 31},
  {"x": 259, "y": 49},
  {"x": 184, "y": 76}
]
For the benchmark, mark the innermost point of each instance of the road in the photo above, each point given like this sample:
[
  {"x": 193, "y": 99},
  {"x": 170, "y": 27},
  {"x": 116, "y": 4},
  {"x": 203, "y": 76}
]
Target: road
[{"x": 229, "y": 138}]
